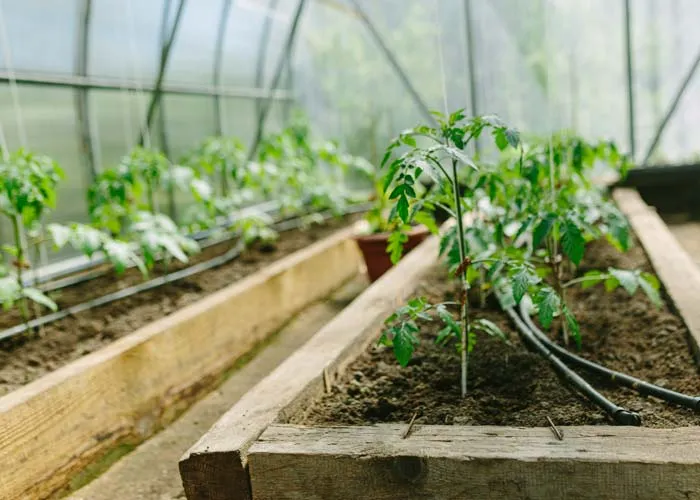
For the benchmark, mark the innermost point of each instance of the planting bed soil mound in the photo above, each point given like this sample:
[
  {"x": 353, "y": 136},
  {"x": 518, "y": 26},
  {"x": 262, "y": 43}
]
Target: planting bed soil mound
[
  {"x": 513, "y": 386},
  {"x": 29, "y": 357}
]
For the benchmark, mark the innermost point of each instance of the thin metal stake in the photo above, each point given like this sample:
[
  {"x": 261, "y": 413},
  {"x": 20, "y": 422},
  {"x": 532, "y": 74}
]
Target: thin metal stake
[
  {"x": 555, "y": 430},
  {"x": 410, "y": 426}
]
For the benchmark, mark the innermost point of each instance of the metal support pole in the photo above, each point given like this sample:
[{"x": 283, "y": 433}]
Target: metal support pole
[
  {"x": 417, "y": 99},
  {"x": 672, "y": 109},
  {"x": 630, "y": 79},
  {"x": 161, "y": 114},
  {"x": 471, "y": 62},
  {"x": 164, "y": 56},
  {"x": 262, "y": 51},
  {"x": 81, "y": 94},
  {"x": 283, "y": 60},
  {"x": 218, "y": 62},
  {"x": 162, "y": 133}
]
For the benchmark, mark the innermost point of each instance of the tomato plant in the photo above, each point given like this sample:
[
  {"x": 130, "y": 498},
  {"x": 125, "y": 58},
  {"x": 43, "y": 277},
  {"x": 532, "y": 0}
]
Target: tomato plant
[
  {"x": 123, "y": 201},
  {"x": 27, "y": 191},
  {"x": 440, "y": 153}
]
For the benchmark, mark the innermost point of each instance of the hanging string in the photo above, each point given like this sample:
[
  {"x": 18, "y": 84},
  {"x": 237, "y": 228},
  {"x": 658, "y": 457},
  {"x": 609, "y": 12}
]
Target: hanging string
[
  {"x": 127, "y": 119},
  {"x": 441, "y": 56},
  {"x": 7, "y": 54},
  {"x": 138, "y": 82},
  {"x": 22, "y": 135}
]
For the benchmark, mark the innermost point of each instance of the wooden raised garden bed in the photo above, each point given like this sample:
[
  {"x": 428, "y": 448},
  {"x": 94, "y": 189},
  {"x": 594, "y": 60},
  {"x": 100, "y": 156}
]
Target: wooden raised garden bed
[
  {"x": 270, "y": 445},
  {"x": 124, "y": 392}
]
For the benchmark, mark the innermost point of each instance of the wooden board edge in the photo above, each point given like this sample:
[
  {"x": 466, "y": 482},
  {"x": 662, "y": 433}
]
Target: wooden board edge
[
  {"x": 678, "y": 273},
  {"x": 296, "y": 381},
  {"x": 143, "y": 334},
  {"x": 474, "y": 462},
  {"x": 135, "y": 349}
]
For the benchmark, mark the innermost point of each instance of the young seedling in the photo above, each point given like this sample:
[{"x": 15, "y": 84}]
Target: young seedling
[
  {"x": 441, "y": 158},
  {"x": 90, "y": 241},
  {"x": 27, "y": 191},
  {"x": 123, "y": 201}
]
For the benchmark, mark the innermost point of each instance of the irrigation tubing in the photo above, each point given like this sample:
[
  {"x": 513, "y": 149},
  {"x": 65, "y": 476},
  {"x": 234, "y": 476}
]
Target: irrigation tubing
[
  {"x": 619, "y": 415},
  {"x": 616, "y": 377},
  {"x": 227, "y": 257}
]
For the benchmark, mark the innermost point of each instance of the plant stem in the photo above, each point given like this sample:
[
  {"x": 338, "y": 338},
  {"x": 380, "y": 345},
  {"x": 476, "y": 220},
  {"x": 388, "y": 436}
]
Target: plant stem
[
  {"x": 463, "y": 278},
  {"x": 583, "y": 279},
  {"x": 17, "y": 233},
  {"x": 558, "y": 287},
  {"x": 224, "y": 180},
  {"x": 151, "y": 197}
]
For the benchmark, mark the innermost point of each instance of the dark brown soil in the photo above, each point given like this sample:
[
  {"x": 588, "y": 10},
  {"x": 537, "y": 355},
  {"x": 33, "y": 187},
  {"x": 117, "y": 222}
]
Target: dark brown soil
[
  {"x": 515, "y": 387},
  {"x": 28, "y": 358}
]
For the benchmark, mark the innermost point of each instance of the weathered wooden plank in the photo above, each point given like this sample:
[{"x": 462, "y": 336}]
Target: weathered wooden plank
[
  {"x": 675, "y": 268},
  {"x": 216, "y": 466},
  {"x": 56, "y": 425},
  {"x": 441, "y": 462}
]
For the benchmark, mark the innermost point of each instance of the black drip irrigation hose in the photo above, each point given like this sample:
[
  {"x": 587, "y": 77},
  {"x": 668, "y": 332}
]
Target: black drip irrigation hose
[
  {"x": 230, "y": 255},
  {"x": 619, "y": 415},
  {"x": 616, "y": 377}
]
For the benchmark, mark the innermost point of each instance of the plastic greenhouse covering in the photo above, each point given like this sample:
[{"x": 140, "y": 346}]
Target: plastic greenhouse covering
[{"x": 79, "y": 76}]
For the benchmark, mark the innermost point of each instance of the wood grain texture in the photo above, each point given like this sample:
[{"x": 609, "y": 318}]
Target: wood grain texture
[
  {"x": 56, "y": 425},
  {"x": 481, "y": 462},
  {"x": 216, "y": 467},
  {"x": 675, "y": 268}
]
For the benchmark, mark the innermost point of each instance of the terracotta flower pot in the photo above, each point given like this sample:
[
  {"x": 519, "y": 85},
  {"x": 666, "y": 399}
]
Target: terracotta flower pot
[{"x": 373, "y": 248}]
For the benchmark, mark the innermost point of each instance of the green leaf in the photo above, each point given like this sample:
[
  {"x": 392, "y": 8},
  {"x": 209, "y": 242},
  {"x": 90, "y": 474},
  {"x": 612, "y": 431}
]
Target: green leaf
[
  {"x": 593, "y": 278},
  {"x": 409, "y": 140},
  {"x": 396, "y": 241},
  {"x": 520, "y": 282},
  {"x": 628, "y": 279},
  {"x": 389, "y": 177},
  {"x": 543, "y": 229},
  {"x": 39, "y": 297},
  {"x": 572, "y": 242},
  {"x": 59, "y": 234},
  {"x": 611, "y": 283},
  {"x": 428, "y": 221},
  {"x": 402, "y": 208},
  {"x": 572, "y": 325},
  {"x": 501, "y": 139},
  {"x": 404, "y": 342},
  {"x": 547, "y": 302},
  {"x": 650, "y": 286},
  {"x": 513, "y": 137},
  {"x": 490, "y": 328}
]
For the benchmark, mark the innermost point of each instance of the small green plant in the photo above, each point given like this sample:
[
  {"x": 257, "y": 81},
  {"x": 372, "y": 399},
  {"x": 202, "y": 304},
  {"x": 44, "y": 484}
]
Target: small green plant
[
  {"x": 310, "y": 176},
  {"x": 27, "y": 191},
  {"x": 530, "y": 218},
  {"x": 123, "y": 201},
  {"x": 441, "y": 154},
  {"x": 90, "y": 241}
]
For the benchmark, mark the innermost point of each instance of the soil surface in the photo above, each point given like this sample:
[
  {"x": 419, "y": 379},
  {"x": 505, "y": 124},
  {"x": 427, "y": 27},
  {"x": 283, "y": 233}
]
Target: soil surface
[
  {"x": 512, "y": 386},
  {"x": 27, "y": 358}
]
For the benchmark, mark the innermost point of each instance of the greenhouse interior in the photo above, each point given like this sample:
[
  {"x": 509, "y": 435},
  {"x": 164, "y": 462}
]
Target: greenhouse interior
[{"x": 349, "y": 249}]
